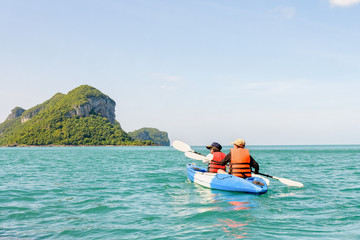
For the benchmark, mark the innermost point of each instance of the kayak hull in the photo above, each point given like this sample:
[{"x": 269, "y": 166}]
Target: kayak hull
[{"x": 227, "y": 182}]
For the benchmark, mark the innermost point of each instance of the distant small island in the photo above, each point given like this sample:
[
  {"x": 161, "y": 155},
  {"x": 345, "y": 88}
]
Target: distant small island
[
  {"x": 83, "y": 117},
  {"x": 151, "y": 134}
]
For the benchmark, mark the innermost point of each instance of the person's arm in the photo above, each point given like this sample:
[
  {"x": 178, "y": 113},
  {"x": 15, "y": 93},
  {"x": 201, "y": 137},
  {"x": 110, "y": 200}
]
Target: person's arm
[
  {"x": 226, "y": 159},
  {"x": 254, "y": 164}
]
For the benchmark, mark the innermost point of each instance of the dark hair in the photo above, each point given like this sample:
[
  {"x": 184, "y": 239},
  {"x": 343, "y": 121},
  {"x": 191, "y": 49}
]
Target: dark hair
[{"x": 215, "y": 149}]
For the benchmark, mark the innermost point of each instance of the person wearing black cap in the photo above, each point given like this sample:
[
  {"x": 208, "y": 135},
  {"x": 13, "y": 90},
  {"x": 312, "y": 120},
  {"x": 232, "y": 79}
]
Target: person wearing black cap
[{"x": 215, "y": 150}]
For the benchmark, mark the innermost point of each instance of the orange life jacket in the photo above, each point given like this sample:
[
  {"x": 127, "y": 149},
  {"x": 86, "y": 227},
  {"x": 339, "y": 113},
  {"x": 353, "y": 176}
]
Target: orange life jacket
[
  {"x": 214, "y": 164},
  {"x": 240, "y": 162}
]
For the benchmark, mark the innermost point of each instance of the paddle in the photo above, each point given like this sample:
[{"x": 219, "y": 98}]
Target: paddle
[
  {"x": 197, "y": 156},
  {"x": 183, "y": 147},
  {"x": 284, "y": 180}
]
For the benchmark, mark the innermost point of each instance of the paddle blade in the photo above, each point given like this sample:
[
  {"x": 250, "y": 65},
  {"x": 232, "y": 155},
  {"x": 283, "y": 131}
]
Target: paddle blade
[
  {"x": 209, "y": 157},
  {"x": 195, "y": 156},
  {"x": 181, "y": 146},
  {"x": 290, "y": 182}
]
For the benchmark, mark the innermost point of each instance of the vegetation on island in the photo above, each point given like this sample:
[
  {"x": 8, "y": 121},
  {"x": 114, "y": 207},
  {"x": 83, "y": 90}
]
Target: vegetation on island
[
  {"x": 68, "y": 119},
  {"x": 151, "y": 134}
]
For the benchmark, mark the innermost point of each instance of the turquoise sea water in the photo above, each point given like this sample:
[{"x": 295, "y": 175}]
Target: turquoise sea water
[{"x": 143, "y": 193}]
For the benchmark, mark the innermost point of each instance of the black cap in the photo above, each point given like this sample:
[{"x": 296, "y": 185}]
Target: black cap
[{"x": 214, "y": 144}]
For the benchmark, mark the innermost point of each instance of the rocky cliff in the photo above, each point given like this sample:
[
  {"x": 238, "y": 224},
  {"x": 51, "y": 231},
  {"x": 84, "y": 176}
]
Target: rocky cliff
[
  {"x": 103, "y": 106},
  {"x": 16, "y": 112},
  {"x": 32, "y": 112}
]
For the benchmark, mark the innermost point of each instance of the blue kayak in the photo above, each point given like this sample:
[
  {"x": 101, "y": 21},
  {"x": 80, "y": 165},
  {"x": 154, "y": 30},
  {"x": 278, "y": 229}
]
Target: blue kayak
[{"x": 227, "y": 182}]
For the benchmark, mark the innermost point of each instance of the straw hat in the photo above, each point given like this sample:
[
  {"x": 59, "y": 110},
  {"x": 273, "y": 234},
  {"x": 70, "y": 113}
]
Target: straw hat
[{"x": 239, "y": 142}]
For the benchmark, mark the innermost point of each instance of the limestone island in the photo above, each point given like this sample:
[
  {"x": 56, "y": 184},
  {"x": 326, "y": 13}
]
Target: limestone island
[{"x": 82, "y": 117}]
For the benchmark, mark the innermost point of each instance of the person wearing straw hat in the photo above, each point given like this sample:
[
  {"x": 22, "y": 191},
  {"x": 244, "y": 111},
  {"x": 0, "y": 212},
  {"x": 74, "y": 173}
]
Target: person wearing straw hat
[{"x": 240, "y": 160}]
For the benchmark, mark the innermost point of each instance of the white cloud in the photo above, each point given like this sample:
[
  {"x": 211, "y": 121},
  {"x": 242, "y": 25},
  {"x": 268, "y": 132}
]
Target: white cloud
[
  {"x": 272, "y": 88},
  {"x": 167, "y": 78},
  {"x": 286, "y": 12},
  {"x": 166, "y": 87},
  {"x": 167, "y": 81},
  {"x": 344, "y": 3}
]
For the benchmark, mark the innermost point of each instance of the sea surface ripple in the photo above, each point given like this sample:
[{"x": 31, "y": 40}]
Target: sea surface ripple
[{"x": 144, "y": 193}]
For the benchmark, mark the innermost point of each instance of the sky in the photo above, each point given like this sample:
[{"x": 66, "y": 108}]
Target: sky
[{"x": 273, "y": 72}]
